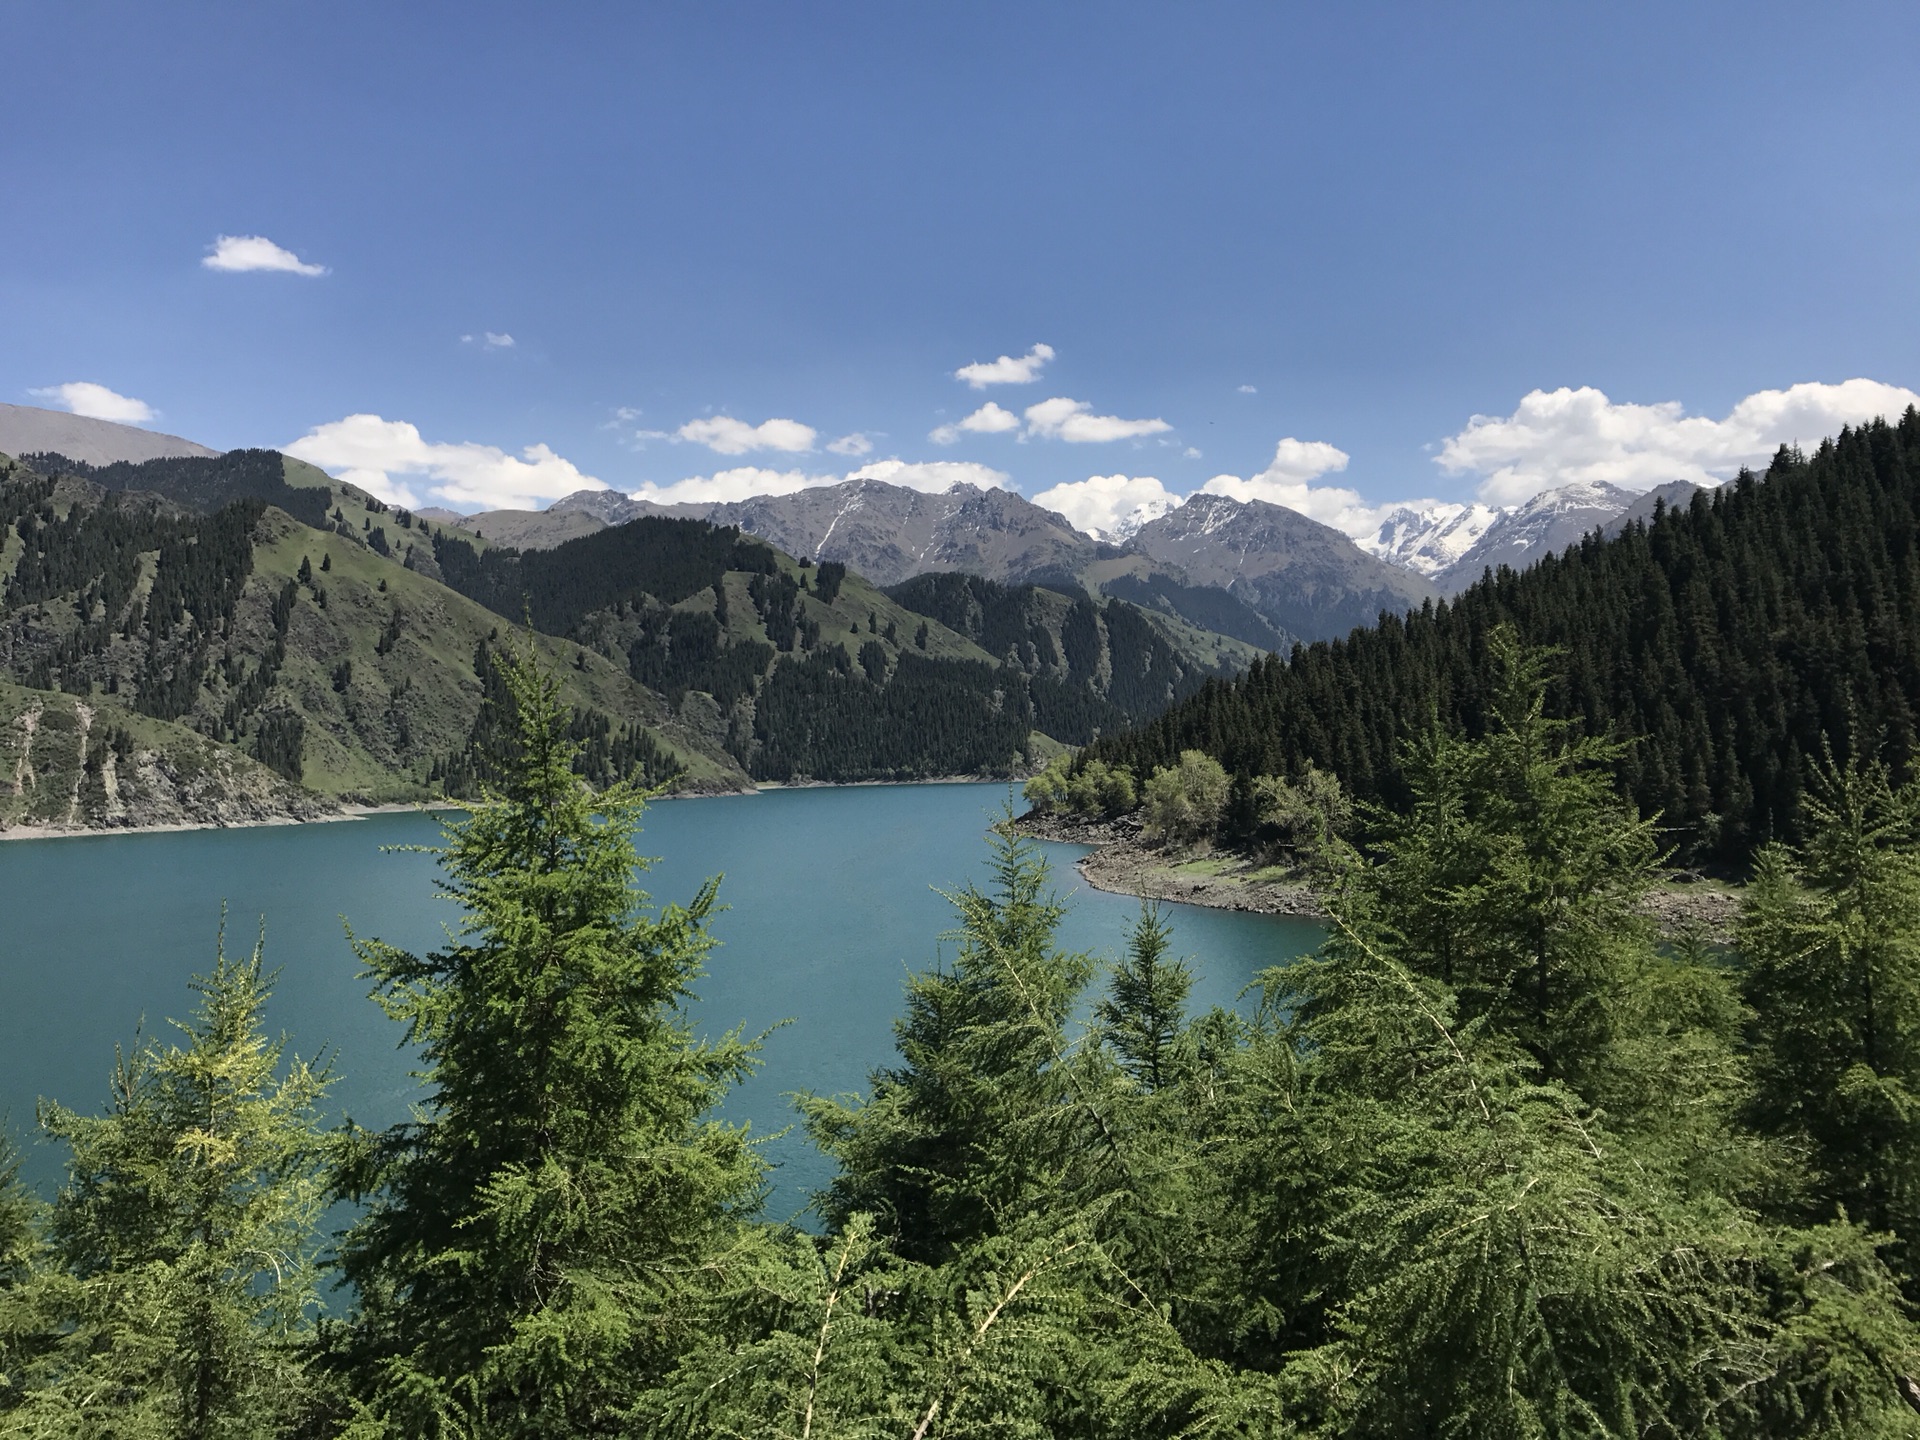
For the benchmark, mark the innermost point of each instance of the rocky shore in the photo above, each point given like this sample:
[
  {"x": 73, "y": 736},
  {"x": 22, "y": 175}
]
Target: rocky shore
[{"x": 1123, "y": 863}]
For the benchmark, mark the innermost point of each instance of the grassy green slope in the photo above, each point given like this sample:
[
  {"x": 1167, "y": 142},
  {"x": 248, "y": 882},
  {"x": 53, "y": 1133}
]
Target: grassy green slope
[{"x": 378, "y": 734}]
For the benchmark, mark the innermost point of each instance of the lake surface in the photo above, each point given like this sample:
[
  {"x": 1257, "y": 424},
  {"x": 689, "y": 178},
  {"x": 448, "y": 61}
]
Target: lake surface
[{"x": 832, "y": 896}]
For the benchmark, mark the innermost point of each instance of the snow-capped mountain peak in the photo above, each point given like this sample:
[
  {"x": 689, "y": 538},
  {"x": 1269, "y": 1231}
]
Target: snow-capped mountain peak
[
  {"x": 1128, "y": 525},
  {"x": 1429, "y": 536}
]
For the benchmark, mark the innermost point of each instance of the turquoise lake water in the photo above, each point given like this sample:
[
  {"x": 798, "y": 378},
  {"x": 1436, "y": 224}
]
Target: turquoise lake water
[{"x": 833, "y": 902}]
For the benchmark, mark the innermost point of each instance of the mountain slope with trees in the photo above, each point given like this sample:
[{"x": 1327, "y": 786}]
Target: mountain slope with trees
[
  {"x": 185, "y": 592},
  {"x": 1734, "y": 643},
  {"x": 807, "y": 671},
  {"x": 343, "y": 644}
]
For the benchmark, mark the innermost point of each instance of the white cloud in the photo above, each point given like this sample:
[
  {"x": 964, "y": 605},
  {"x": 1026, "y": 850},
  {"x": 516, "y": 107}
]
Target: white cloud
[
  {"x": 1560, "y": 436},
  {"x": 1075, "y": 422},
  {"x": 234, "y": 253},
  {"x": 97, "y": 402},
  {"x": 1111, "y": 507},
  {"x": 935, "y": 477},
  {"x": 726, "y": 486},
  {"x": 490, "y": 340},
  {"x": 1190, "y": 453},
  {"x": 1287, "y": 481},
  {"x": 1249, "y": 390},
  {"x": 1007, "y": 370},
  {"x": 727, "y": 436},
  {"x": 989, "y": 419},
  {"x": 391, "y": 459},
  {"x": 854, "y": 444}
]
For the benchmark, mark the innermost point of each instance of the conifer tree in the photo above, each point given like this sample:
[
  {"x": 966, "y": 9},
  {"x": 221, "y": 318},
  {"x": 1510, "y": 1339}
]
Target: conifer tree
[
  {"x": 964, "y": 1136},
  {"x": 22, "y": 1337},
  {"x": 1145, "y": 1010},
  {"x": 178, "y": 1286},
  {"x": 1411, "y": 1192},
  {"x": 530, "y": 1243},
  {"x": 1483, "y": 1256},
  {"x": 1832, "y": 937},
  {"x": 1515, "y": 875}
]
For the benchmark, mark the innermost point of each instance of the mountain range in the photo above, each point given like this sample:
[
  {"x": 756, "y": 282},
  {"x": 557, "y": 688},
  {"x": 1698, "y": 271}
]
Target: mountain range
[
  {"x": 1302, "y": 580},
  {"x": 239, "y": 636},
  {"x": 1454, "y": 545},
  {"x": 1252, "y": 570}
]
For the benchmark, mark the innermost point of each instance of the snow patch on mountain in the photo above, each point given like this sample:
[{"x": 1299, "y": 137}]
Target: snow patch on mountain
[
  {"x": 1131, "y": 523},
  {"x": 1428, "y": 536}
]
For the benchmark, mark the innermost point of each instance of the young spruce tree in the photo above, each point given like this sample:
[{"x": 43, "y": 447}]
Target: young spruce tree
[
  {"x": 1831, "y": 935},
  {"x": 964, "y": 1135},
  {"x": 1515, "y": 876},
  {"x": 530, "y": 1243},
  {"x": 177, "y": 1290}
]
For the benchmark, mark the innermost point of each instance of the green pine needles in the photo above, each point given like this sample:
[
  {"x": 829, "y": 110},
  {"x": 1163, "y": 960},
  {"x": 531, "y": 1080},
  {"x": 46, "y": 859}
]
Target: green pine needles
[
  {"x": 530, "y": 1243},
  {"x": 174, "y": 1285},
  {"x": 1499, "y": 1161}
]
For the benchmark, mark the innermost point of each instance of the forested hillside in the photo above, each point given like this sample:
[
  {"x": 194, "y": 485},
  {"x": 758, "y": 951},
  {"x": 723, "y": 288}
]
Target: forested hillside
[
  {"x": 343, "y": 643},
  {"x": 183, "y": 591},
  {"x": 1733, "y": 642},
  {"x": 805, "y": 671},
  {"x": 1493, "y": 1163}
]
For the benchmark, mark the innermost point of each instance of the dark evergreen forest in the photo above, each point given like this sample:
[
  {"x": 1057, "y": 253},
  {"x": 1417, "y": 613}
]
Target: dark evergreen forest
[
  {"x": 796, "y": 707},
  {"x": 664, "y": 560},
  {"x": 200, "y": 483},
  {"x": 93, "y": 554},
  {"x": 1734, "y": 642}
]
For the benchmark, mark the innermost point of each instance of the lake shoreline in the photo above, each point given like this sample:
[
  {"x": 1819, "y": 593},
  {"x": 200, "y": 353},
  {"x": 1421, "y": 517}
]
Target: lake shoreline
[
  {"x": 1122, "y": 862},
  {"x": 345, "y": 812},
  {"x": 177, "y": 827}
]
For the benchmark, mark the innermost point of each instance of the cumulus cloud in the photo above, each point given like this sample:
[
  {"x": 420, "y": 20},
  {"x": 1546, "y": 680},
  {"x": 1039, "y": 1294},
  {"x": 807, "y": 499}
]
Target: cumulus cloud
[
  {"x": 1110, "y": 507},
  {"x": 391, "y": 459},
  {"x": 1249, "y": 390},
  {"x": 490, "y": 340},
  {"x": 1288, "y": 480},
  {"x": 1075, "y": 422},
  {"x": 935, "y": 477},
  {"x": 725, "y": 435},
  {"x": 726, "y": 486},
  {"x": 989, "y": 419},
  {"x": 854, "y": 444},
  {"x": 1560, "y": 436},
  {"x": 1007, "y": 370},
  {"x": 97, "y": 402},
  {"x": 235, "y": 253}
]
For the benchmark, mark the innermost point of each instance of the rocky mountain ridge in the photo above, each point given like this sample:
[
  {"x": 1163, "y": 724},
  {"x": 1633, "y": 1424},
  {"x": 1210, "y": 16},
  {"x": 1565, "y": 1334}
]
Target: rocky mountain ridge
[
  {"x": 29, "y": 429},
  {"x": 1255, "y": 571},
  {"x": 1306, "y": 578},
  {"x": 888, "y": 533}
]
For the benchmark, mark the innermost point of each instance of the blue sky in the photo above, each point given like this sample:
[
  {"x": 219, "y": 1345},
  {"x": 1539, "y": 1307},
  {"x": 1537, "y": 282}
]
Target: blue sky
[{"x": 1351, "y": 227}]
